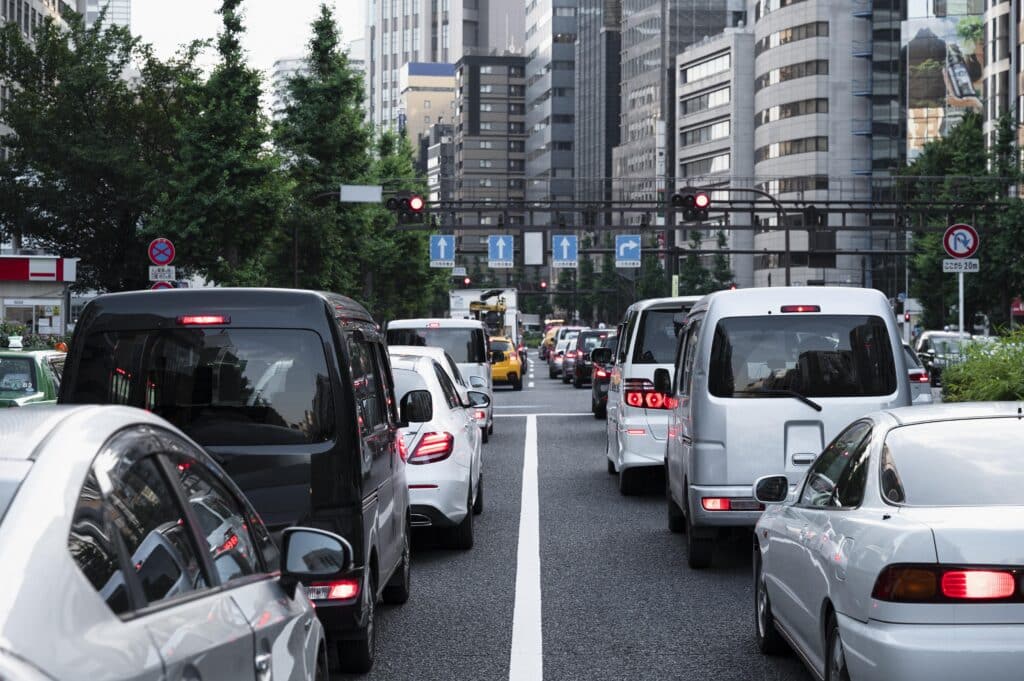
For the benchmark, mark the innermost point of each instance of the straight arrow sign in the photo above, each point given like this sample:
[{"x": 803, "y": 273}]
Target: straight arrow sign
[
  {"x": 501, "y": 249},
  {"x": 442, "y": 246},
  {"x": 565, "y": 248}
]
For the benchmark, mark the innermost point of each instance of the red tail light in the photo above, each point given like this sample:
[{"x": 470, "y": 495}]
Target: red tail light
[
  {"x": 920, "y": 378},
  {"x": 433, "y": 447},
  {"x": 801, "y": 308},
  {"x": 946, "y": 584},
  {"x": 480, "y": 414},
  {"x": 203, "y": 320},
  {"x": 341, "y": 590},
  {"x": 600, "y": 373},
  {"x": 715, "y": 503},
  {"x": 570, "y": 354},
  {"x": 640, "y": 393}
]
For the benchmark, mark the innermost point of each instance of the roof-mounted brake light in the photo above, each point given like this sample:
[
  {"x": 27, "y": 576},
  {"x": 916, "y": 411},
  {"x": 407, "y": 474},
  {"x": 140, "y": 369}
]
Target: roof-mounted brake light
[
  {"x": 203, "y": 320},
  {"x": 801, "y": 308}
]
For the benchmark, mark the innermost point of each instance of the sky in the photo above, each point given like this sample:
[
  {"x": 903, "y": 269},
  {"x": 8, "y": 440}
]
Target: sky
[{"x": 274, "y": 28}]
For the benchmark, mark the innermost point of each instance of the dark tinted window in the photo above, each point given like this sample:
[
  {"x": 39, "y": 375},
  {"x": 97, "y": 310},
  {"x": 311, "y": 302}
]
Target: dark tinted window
[
  {"x": 93, "y": 548},
  {"x": 656, "y": 340},
  {"x": 221, "y": 386},
  {"x": 466, "y": 346},
  {"x": 689, "y": 357},
  {"x": 815, "y": 355},
  {"x": 366, "y": 383},
  {"x": 142, "y": 507},
  {"x": 587, "y": 340},
  {"x": 978, "y": 462},
  {"x": 17, "y": 376},
  {"x": 56, "y": 364},
  {"x": 447, "y": 387},
  {"x": 501, "y": 346},
  {"x": 831, "y": 467}
]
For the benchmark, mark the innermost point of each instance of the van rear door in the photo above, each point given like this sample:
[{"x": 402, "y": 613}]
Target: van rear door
[{"x": 654, "y": 348}]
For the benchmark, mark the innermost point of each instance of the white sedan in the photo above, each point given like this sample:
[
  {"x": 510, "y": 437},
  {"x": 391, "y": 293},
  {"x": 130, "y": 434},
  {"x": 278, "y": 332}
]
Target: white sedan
[
  {"x": 901, "y": 553},
  {"x": 441, "y": 446}
]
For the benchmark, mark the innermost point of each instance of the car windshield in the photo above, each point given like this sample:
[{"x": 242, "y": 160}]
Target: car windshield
[
  {"x": 220, "y": 386},
  {"x": 813, "y": 355},
  {"x": 976, "y": 462},
  {"x": 656, "y": 341},
  {"x": 465, "y": 345},
  {"x": 17, "y": 376}
]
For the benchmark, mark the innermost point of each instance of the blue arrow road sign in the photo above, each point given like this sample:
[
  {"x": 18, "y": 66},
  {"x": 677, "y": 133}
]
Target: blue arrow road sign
[
  {"x": 442, "y": 250},
  {"x": 500, "y": 253},
  {"x": 565, "y": 250},
  {"x": 627, "y": 250}
]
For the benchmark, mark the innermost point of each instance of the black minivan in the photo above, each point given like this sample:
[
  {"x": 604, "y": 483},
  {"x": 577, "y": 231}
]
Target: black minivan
[{"x": 291, "y": 391}]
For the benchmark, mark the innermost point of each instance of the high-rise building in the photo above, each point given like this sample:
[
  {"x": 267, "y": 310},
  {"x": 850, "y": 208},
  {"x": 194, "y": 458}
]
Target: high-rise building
[
  {"x": 119, "y": 12},
  {"x": 598, "y": 43},
  {"x": 402, "y": 31},
  {"x": 283, "y": 71},
  {"x": 428, "y": 96},
  {"x": 440, "y": 163},
  {"x": 1001, "y": 65},
  {"x": 551, "y": 27}
]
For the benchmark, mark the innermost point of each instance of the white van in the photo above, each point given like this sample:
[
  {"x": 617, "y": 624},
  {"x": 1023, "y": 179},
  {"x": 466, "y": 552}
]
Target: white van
[
  {"x": 464, "y": 339},
  {"x": 763, "y": 380},
  {"x": 637, "y": 419}
]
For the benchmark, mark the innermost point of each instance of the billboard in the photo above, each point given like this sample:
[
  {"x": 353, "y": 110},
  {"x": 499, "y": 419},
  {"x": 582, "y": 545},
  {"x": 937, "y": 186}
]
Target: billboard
[{"x": 944, "y": 57}]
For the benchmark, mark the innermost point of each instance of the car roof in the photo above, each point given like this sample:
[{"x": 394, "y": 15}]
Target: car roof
[
  {"x": 952, "y": 411},
  {"x": 432, "y": 351},
  {"x": 30, "y": 353},
  {"x": 501, "y": 338},
  {"x": 411, "y": 362},
  {"x": 442, "y": 322},
  {"x": 664, "y": 302},
  {"x": 760, "y": 301}
]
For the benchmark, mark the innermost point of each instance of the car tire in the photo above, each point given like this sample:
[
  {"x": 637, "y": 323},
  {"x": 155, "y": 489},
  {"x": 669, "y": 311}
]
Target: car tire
[
  {"x": 396, "y": 591},
  {"x": 517, "y": 383},
  {"x": 356, "y": 655},
  {"x": 676, "y": 519},
  {"x": 486, "y": 434},
  {"x": 551, "y": 374},
  {"x": 577, "y": 382},
  {"x": 322, "y": 671},
  {"x": 460, "y": 537},
  {"x": 490, "y": 428},
  {"x": 611, "y": 467},
  {"x": 835, "y": 664},
  {"x": 565, "y": 378},
  {"x": 769, "y": 640},
  {"x": 629, "y": 482},
  {"x": 699, "y": 550},
  {"x": 478, "y": 505},
  {"x": 602, "y": 411}
]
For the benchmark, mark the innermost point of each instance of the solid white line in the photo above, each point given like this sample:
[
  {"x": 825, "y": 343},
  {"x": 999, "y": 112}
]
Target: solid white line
[
  {"x": 519, "y": 406},
  {"x": 527, "y": 661},
  {"x": 519, "y": 416}
]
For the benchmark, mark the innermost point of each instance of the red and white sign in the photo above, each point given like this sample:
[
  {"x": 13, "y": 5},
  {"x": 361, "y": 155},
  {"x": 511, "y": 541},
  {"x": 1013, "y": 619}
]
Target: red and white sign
[
  {"x": 161, "y": 251},
  {"x": 961, "y": 241},
  {"x": 38, "y": 268},
  {"x": 162, "y": 285},
  {"x": 1017, "y": 308}
]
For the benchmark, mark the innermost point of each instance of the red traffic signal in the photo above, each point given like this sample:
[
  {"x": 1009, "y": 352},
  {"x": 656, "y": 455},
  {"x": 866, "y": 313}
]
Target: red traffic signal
[
  {"x": 467, "y": 281},
  {"x": 694, "y": 203},
  {"x": 409, "y": 207},
  {"x": 416, "y": 203},
  {"x": 701, "y": 200},
  {"x": 543, "y": 284},
  {"x": 906, "y": 316}
]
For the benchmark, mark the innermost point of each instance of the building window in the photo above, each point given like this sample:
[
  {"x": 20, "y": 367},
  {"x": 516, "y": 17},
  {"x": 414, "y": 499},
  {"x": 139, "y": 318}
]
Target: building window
[
  {"x": 486, "y": 144},
  {"x": 765, "y": 7},
  {"x": 815, "y": 29},
  {"x": 565, "y": 11},
  {"x": 802, "y": 108},
  {"x": 705, "y": 166},
  {"x": 789, "y": 185},
  {"x": 487, "y": 89},
  {"x": 486, "y": 163},
  {"x": 707, "y": 68},
  {"x": 485, "y": 70},
  {"x": 705, "y": 133},
  {"x": 563, "y": 38},
  {"x": 426, "y": 103},
  {"x": 815, "y": 67},
  {"x": 706, "y": 100},
  {"x": 516, "y": 71},
  {"x": 804, "y": 145}
]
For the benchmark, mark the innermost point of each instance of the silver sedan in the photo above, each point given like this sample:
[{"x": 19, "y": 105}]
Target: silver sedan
[
  {"x": 128, "y": 554},
  {"x": 901, "y": 554}
]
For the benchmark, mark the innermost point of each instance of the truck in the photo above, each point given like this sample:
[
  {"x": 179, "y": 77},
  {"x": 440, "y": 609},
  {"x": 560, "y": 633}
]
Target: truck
[{"x": 497, "y": 308}]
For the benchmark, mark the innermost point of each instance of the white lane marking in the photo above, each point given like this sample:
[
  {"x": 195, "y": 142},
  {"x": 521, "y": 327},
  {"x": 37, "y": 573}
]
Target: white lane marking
[
  {"x": 530, "y": 384},
  {"x": 520, "y": 416},
  {"x": 527, "y": 661},
  {"x": 520, "y": 406}
]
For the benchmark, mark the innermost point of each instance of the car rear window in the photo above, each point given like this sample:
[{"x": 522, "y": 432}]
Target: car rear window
[
  {"x": 17, "y": 376},
  {"x": 501, "y": 346},
  {"x": 912, "y": 361},
  {"x": 814, "y": 355},
  {"x": 465, "y": 345},
  {"x": 406, "y": 381},
  {"x": 657, "y": 336},
  {"x": 221, "y": 386},
  {"x": 977, "y": 462},
  {"x": 589, "y": 341}
]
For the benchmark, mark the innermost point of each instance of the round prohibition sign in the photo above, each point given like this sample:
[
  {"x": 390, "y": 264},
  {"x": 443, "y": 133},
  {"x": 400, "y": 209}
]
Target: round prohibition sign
[
  {"x": 161, "y": 251},
  {"x": 961, "y": 241}
]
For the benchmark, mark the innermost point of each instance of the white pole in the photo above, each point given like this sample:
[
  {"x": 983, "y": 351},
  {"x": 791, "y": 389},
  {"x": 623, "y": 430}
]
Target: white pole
[{"x": 960, "y": 303}]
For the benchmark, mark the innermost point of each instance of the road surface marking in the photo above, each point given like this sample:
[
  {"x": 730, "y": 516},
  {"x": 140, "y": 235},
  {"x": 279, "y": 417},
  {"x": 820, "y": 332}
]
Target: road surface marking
[
  {"x": 521, "y": 416},
  {"x": 530, "y": 384},
  {"x": 527, "y": 660},
  {"x": 520, "y": 406}
]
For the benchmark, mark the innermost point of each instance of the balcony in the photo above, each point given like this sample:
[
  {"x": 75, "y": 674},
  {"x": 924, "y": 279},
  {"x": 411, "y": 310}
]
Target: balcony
[
  {"x": 860, "y": 166},
  {"x": 862, "y": 48},
  {"x": 861, "y": 126},
  {"x": 861, "y": 87},
  {"x": 863, "y": 8}
]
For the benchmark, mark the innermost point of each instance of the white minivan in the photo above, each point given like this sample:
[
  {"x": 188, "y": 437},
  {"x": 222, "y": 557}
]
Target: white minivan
[
  {"x": 763, "y": 380},
  {"x": 465, "y": 340}
]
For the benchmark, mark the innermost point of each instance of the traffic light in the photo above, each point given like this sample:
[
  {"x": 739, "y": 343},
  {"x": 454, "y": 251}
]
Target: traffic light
[
  {"x": 694, "y": 203},
  {"x": 466, "y": 282},
  {"x": 543, "y": 285},
  {"x": 906, "y": 316},
  {"x": 408, "y": 207}
]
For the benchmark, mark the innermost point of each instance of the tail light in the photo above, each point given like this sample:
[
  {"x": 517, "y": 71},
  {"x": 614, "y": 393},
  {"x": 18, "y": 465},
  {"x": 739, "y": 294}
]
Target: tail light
[
  {"x": 480, "y": 415},
  {"x": 433, "y": 447},
  {"x": 920, "y": 377},
  {"x": 600, "y": 373},
  {"x": 640, "y": 394},
  {"x": 801, "y": 308},
  {"x": 947, "y": 584},
  {"x": 341, "y": 590},
  {"x": 570, "y": 354},
  {"x": 715, "y": 503},
  {"x": 203, "y": 320}
]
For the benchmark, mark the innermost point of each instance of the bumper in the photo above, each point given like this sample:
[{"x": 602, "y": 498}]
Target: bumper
[
  {"x": 445, "y": 505},
  {"x": 584, "y": 371},
  {"x": 704, "y": 518},
  {"x": 638, "y": 446},
  {"x": 342, "y": 620},
  {"x": 879, "y": 651}
]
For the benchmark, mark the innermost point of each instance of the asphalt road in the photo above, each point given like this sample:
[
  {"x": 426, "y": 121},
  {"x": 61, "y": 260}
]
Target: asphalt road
[{"x": 617, "y": 601}]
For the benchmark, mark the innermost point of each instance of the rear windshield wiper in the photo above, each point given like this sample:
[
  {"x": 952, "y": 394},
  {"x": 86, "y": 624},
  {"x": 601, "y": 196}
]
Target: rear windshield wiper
[{"x": 781, "y": 392}]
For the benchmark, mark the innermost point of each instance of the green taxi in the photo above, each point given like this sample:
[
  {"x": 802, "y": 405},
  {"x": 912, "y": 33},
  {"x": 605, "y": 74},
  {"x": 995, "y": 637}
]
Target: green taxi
[{"x": 30, "y": 376}]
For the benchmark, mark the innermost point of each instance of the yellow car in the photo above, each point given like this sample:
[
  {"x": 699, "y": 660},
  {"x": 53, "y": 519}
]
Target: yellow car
[
  {"x": 548, "y": 344},
  {"x": 505, "y": 364}
]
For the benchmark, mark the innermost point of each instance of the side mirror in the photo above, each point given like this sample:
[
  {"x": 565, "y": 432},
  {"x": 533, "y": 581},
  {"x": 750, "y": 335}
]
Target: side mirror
[
  {"x": 601, "y": 355},
  {"x": 771, "y": 489},
  {"x": 312, "y": 555},
  {"x": 497, "y": 356},
  {"x": 662, "y": 381},
  {"x": 479, "y": 399},
  {"x": 416, "y": 406}
]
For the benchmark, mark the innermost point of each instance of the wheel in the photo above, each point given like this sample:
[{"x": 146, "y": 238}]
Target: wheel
[
  {"x": 611, "y": 467},
  {"x": 478, "y": 505},
  {"x": 461, "y": 536},
  {"x": 486, "y": 434},
  {"x": 629, "y": 482},
  {"x": 490, "y": 428},
  {"x": 565, "y": 378},
  {"x": 676, "y": 519},
  {"x": 577, "y": 382},
  {"x": 356, "y": 655},
  {"x": 396, "y": 591},
  {"x": 322, "y": 672},
  {"x": 517, "y": 383},
  {"x": 552, "y": 374},
  {"x": 698, "y": 549},
  {"x": 602, "y": 411},
  {"x": 835, "y": 669},
  {"x": 769, "y": 640}
]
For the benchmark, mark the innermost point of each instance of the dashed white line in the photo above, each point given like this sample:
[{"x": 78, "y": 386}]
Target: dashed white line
[
  {"x": 527, "y": 660},
  {"x": 530, "y": 384}
]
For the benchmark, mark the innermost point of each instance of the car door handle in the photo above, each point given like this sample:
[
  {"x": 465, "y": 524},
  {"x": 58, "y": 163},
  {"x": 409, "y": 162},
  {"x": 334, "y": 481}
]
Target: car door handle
[
  {"x": 803, "y": 459},
  {"x": 264, "y": 670}
]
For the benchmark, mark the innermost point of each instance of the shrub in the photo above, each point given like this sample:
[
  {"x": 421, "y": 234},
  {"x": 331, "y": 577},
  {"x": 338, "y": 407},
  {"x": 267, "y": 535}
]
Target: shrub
[{"x": 988, "y": 372}]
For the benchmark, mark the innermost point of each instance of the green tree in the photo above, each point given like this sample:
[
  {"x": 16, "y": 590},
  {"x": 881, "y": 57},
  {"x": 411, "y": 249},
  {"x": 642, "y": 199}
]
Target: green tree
[
  {"x": 694, "y": 278},
  {"x": 721, "y": 273},
  {"x": 651, "y": 280},
  {"x": 588, "y": 284},
  {"x": 88, "y": 150},
  {"x": 567, "y": 294},
  {"x": 225, "y": 198}
]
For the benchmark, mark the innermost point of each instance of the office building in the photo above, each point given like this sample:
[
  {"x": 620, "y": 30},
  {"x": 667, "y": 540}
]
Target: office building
[
  {"x": 400, "y": 32},
  {"x": 597, "y": 76},
  {"x": 427, "y": 96},
  {"x": 1002, "y": 64},
  {"x": 283, "y": 71},
  {"x": 119, "y": 12},
  {"x": 714, "y": 141},
  {"x": 439, "y": 163}
]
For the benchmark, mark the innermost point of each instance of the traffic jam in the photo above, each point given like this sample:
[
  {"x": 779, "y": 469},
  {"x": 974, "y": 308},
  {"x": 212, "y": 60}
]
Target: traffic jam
[{"x": 229, "y": 485}]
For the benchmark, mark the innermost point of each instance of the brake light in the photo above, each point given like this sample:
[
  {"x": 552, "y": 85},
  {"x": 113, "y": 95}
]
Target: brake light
[
  {"x": 715, "y": 503},
  {"x": 635, "y": 431},
  {"x": 433, "y": 325},
  {"x": 920, "y": 378},
  {"x": 640, "y": 393},
  {"x": 342, "y": 590},
  {"x": 570, "y": 354},
  {"x": 941, "y": 584},
  {"x": 801, "y": 308},
  {"x": 601, "y": 373},
  {"x": 203, "y": 319},
  {"x": 433, "y": 447},
  {"x": 230, "y": 543},
  {"x": 480, "y": 414}
]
